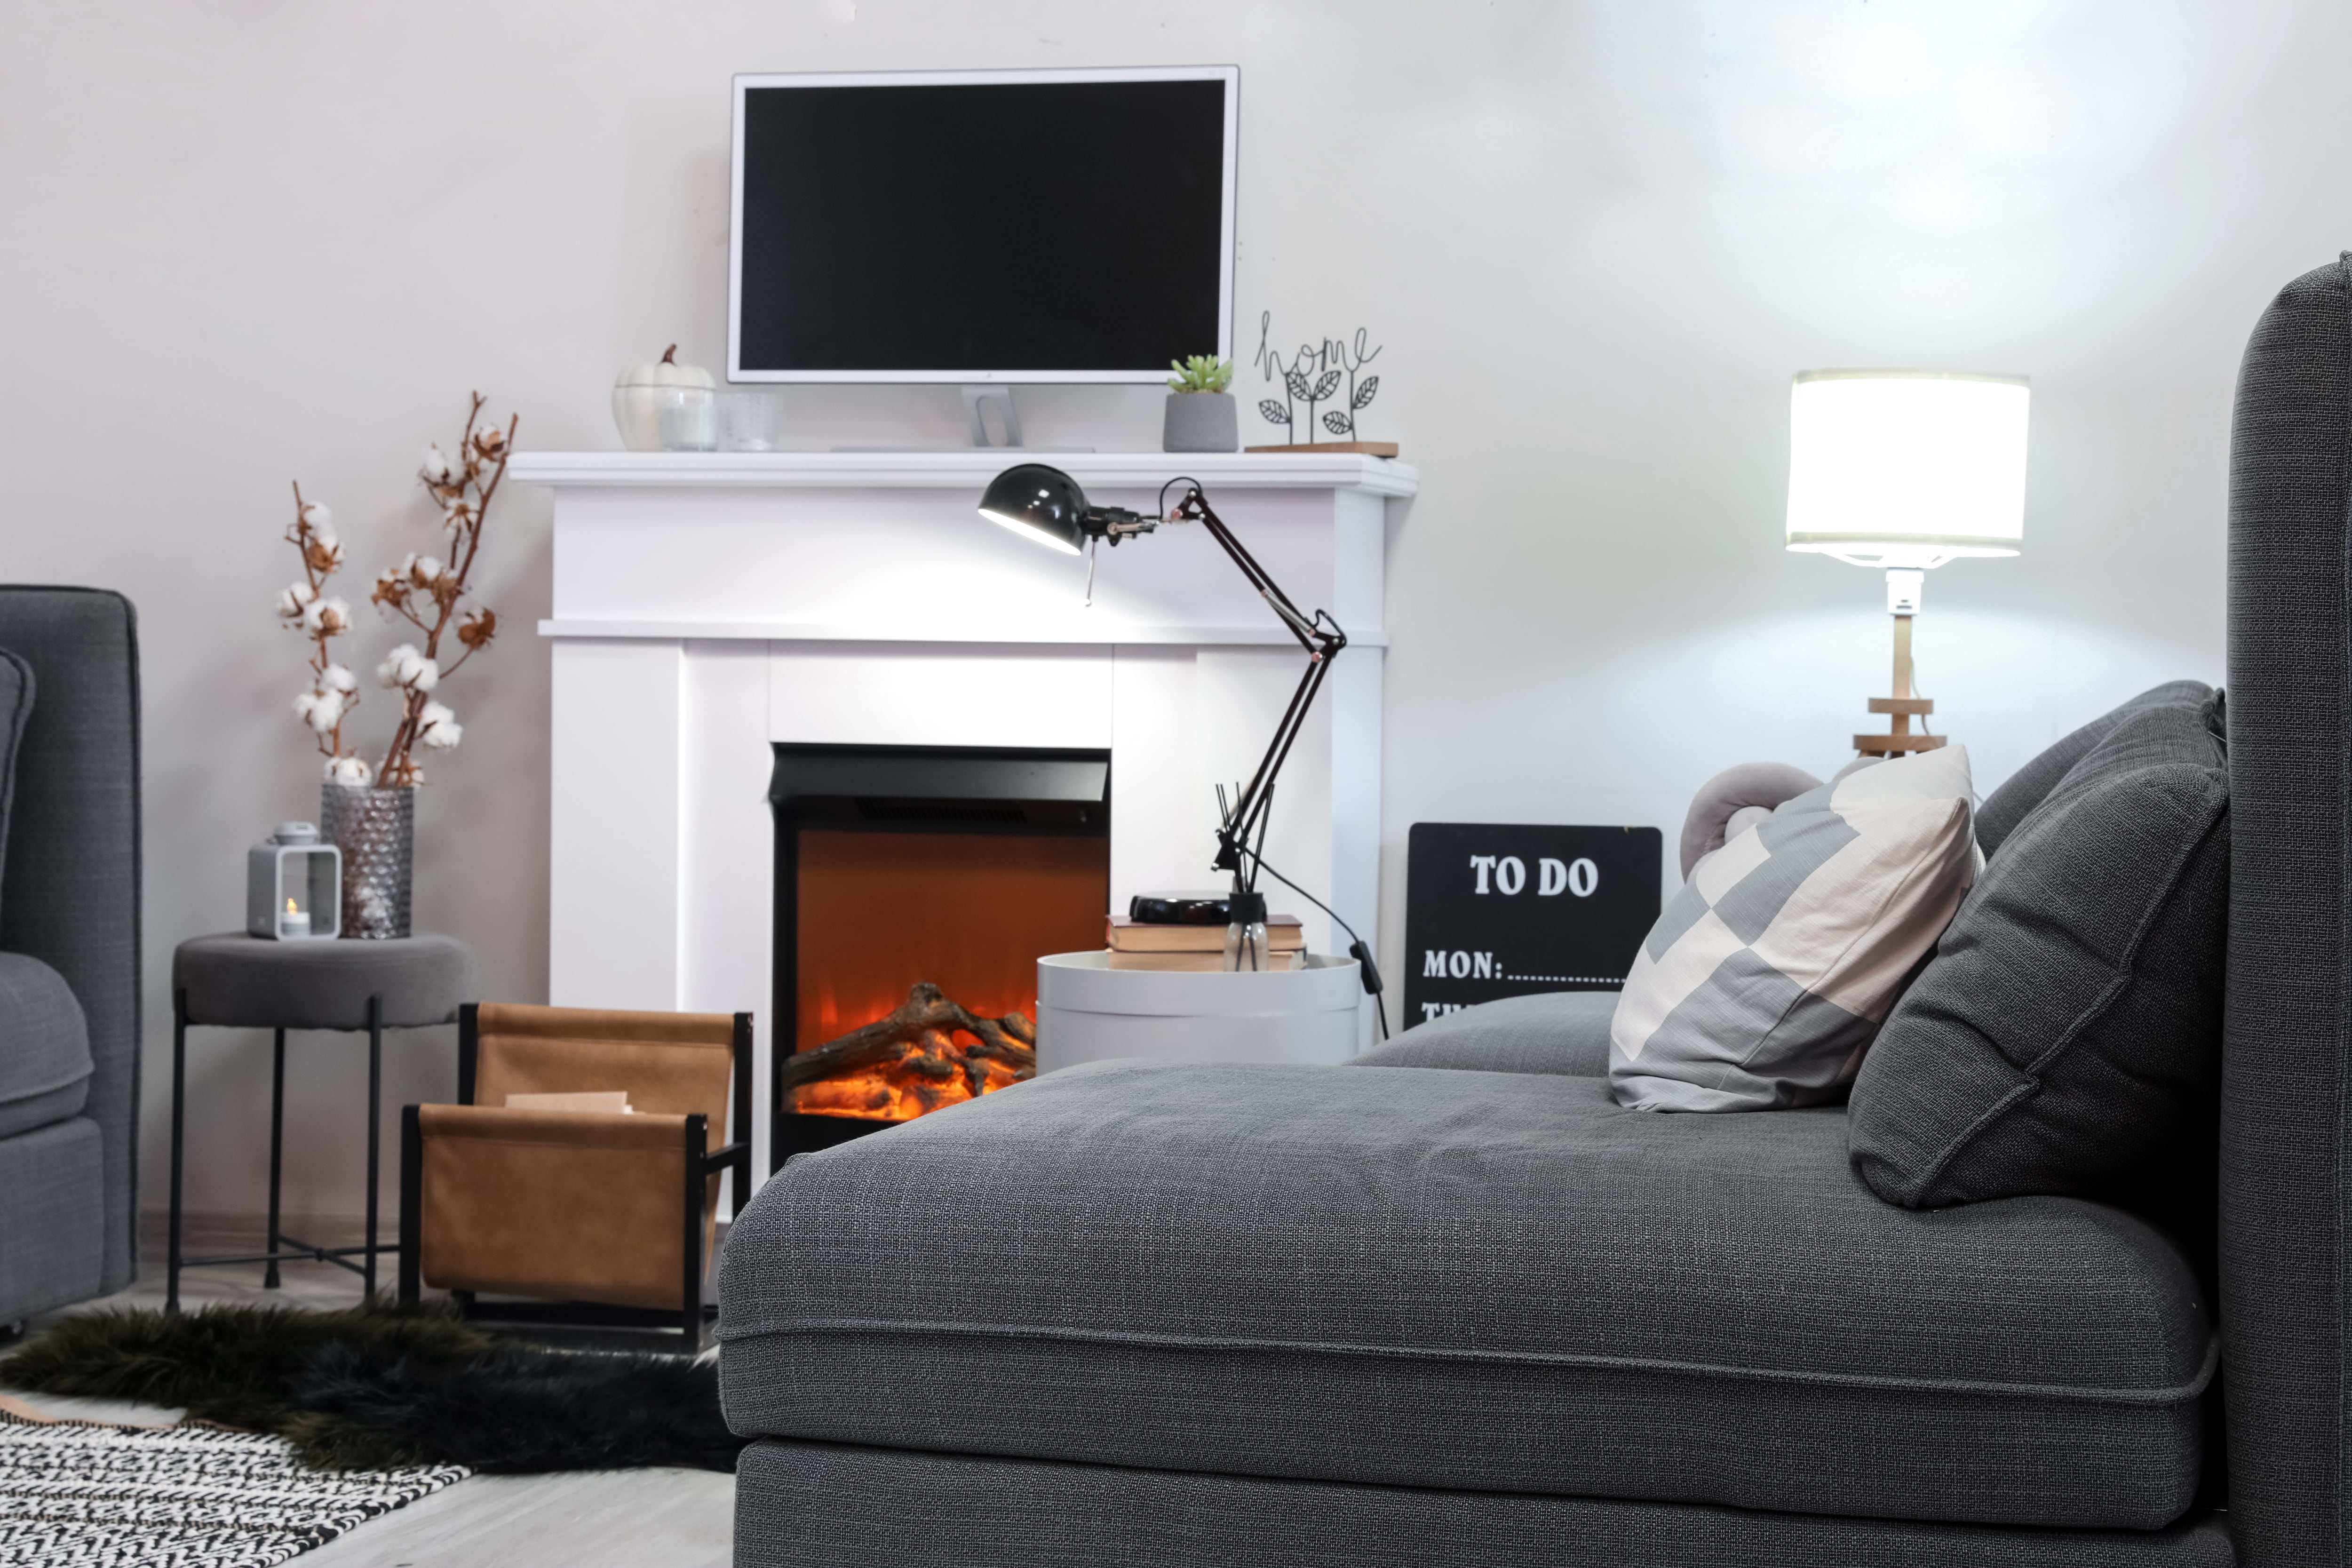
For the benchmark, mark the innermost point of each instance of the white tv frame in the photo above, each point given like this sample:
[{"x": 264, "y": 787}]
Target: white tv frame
[{"x": 1229, "y": 74}]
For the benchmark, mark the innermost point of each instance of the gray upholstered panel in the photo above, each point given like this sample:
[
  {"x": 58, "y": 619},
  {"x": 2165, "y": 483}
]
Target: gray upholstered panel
[
  {"x": 44, "y": 1047},
  {"x": 2284, "y": 1079},
  {"x": 70, "y": 897},
  {"x": 2019, "y": 794},
  {"x": 1467, "y": 1279},
  {"x": 1559, "y": 1032},
  {"x": 815, "y": 1505},
  {"x": 17, "y": 684},
  {"x": 254, "y": 982},
  {"x": 52, "y": 1222}
]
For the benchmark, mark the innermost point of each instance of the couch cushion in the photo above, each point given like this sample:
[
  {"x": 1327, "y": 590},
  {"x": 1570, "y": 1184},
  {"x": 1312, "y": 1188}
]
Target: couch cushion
[
  {"x": 1461, "y": 1280},
  {"x": 44, "y": 1047},
  {"x": 1557, "y": 1031},
  {"x": 2068, "y": 1038},
  {"x": 2019, "y": 794}
]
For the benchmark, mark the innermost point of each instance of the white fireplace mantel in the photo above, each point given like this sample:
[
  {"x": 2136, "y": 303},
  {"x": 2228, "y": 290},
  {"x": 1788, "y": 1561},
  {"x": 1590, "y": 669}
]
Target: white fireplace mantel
[{"x": 707, "y": 605}]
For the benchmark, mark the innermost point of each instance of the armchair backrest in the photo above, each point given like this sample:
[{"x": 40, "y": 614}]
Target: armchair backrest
[
  {"x": 2285, "y": 1075},
  {"x": 70, "y": 897}
]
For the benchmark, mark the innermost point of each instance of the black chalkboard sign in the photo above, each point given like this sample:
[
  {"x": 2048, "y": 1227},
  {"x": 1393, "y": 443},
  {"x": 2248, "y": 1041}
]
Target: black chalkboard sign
[{"x": 1494, "y": 910}]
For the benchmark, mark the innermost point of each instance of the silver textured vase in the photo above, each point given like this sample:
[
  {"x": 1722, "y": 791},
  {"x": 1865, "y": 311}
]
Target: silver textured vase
[{"x": 376, "y": 830}]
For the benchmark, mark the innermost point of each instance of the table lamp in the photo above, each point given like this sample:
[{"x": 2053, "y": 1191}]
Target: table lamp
[
  {"x": 1904, "y": 470},
  {"x": 1046, "y": 505}
]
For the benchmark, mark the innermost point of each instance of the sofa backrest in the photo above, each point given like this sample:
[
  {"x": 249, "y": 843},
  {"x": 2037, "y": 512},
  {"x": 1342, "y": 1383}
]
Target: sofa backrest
[
  {"x": 2285, "y": 1074},
  {"x": 71, "y": 893}
]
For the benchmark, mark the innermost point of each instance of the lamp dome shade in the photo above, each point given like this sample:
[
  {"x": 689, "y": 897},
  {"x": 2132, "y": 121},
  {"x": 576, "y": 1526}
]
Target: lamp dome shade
[
  {"x": 1906, "y": 467},
  {"x": 1038, "y": 502}
]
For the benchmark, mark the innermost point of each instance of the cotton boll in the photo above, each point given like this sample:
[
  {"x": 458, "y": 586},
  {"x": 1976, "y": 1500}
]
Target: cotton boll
[
  {"x": 404, "y": 667},
  {"x": 323, "y": 710},
  {"x": 437, "y": 726},
  {"x": 293, "y": 599},
  {"x": 423, "y": 569},
  {"x": 322, "y": 520},
  {"x": 335, "y": 678},
  {"x": 334, "y": 616},
  {"x": 436, "y": 465},
  {"x": 349, "y": 771}
]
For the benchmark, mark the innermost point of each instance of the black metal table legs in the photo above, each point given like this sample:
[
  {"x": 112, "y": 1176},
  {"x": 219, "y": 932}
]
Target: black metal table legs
[
  {"x": 179, "y": 1108},
  {"x": 281, "y": 1248},
  {"x": 375, "y": 1134},
  {"x": 277, "y": 1146}
]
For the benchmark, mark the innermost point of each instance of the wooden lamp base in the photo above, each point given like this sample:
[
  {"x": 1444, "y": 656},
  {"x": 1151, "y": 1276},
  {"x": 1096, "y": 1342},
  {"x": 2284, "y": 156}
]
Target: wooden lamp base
[{"x": 1903, "y": 706}]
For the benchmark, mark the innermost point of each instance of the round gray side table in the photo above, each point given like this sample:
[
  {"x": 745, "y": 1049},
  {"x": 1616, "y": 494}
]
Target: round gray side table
[{"x": 240, "y": 982}]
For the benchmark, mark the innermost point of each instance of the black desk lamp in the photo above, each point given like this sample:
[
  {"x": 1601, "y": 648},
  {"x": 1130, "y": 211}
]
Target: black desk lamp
[{"x": 1045, "y": 504}]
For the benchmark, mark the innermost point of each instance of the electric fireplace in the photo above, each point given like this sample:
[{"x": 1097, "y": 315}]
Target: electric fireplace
[{"x": 915, "y": 888}]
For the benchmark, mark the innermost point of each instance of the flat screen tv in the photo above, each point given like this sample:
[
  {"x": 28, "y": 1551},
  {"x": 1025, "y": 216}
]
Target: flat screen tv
[{"x": 982, "y": 225}]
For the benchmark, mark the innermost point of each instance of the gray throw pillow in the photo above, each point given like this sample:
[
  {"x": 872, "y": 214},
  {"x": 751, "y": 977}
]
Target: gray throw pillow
[
  {"x": 2066, "y": 1038},
  {"x": 2019, "y": 794},
  {"x": 15, "y": 707}
]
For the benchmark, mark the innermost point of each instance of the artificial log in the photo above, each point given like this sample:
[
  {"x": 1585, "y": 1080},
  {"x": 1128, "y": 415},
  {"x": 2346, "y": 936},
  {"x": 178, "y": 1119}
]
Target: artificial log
[{"x": 908, "y": 1033}]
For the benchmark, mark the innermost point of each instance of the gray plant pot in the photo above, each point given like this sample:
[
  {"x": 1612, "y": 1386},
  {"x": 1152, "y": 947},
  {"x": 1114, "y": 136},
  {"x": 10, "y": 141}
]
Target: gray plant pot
[{"x": 1201, "y": 422}]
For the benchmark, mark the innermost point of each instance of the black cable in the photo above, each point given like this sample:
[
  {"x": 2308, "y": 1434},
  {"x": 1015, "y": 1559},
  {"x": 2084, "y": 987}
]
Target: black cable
[{"x": 1356, "y": 949}]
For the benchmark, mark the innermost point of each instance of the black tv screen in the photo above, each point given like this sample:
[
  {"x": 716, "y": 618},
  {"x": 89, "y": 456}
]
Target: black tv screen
[{"x": 982, "y": 225}]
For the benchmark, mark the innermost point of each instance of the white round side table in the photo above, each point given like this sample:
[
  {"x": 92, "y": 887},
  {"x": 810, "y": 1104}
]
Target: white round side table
[{"x": 1087, "y": 1010}]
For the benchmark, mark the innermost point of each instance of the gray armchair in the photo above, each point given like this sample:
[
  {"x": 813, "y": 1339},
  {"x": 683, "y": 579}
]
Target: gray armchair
[
  {"x": 1158, "y": 1314},
  {"x": 69, "y": 954}
]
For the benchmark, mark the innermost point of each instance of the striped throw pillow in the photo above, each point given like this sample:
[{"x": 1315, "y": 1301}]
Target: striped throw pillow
[{"x": 1768, "y": 976}]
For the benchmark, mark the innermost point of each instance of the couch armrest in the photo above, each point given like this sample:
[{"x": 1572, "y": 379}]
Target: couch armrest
[
  {"x": 1562, "y": 1032},
  {"x": 71, "y": 895}
]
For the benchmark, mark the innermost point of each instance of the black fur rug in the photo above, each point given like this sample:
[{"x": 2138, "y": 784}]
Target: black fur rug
[{"x": 383, "y": 1387}]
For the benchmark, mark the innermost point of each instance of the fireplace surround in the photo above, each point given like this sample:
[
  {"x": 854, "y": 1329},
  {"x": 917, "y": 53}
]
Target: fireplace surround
[{"x": 708, "y": 606}]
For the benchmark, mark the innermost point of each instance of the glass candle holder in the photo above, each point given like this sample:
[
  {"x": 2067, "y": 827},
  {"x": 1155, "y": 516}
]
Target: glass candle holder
[
  {"x": 750, "y": 421},
  {"x": 689, "y": 418}
]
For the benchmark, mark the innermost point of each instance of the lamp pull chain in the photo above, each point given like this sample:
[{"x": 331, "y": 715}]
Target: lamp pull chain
[{"x": 1090, "y": 573}]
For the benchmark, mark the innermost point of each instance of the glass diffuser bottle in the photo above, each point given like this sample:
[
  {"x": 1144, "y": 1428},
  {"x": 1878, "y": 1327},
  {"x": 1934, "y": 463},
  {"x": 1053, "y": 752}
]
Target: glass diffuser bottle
[{"x": 1245, "y": 940}]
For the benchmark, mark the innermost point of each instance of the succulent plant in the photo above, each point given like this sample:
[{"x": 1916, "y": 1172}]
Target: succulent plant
[{"x": 1201, "y": 373}]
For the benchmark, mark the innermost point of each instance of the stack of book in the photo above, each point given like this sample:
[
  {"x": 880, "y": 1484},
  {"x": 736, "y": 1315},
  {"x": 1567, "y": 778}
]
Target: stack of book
[{"x": 1136, "y": 944}]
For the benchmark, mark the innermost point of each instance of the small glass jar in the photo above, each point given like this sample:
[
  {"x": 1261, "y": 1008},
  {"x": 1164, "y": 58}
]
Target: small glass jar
[
  {"x": 750, "y": 421},
  {"x": 1245, "y": 941}
]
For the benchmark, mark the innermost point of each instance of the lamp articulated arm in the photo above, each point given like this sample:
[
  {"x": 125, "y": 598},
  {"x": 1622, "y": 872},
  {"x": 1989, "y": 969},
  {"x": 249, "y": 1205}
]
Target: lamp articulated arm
[
  {"x": 1046, "y": 505},
  {"x": 1319, "y": 635}
]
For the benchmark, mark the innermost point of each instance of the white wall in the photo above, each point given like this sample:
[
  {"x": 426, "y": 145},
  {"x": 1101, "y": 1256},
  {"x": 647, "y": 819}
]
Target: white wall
[{"x": 244, "y": 243}]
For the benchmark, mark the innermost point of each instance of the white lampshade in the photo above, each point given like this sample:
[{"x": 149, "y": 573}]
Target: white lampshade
[{"x": 1906, "y": 467}]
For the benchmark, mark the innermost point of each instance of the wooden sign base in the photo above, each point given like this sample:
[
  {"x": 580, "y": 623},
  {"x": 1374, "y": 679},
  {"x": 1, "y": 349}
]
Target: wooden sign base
[{"x": 1368, "y": 448}]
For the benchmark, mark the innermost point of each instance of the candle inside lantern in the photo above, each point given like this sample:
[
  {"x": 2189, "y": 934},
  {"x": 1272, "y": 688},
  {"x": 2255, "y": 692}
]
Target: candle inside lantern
[{"x": 294, "y": 922}]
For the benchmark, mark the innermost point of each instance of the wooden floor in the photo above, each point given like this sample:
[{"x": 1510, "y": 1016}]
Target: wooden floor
[{"x": 617, "y": 1519}]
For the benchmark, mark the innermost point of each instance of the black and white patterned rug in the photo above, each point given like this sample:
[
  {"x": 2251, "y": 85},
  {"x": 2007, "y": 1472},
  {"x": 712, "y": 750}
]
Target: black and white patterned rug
[{"x": 178, "y": 1497}]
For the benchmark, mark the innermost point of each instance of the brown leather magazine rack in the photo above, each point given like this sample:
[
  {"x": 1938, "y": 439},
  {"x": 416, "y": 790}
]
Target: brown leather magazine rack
[{"x": 604, "y": 1219}]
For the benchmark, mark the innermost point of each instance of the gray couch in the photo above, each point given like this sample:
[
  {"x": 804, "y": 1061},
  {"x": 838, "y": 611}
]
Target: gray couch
[
  {"x": 69, "y": 951},
  {"x": 1143, "y": 1313}
]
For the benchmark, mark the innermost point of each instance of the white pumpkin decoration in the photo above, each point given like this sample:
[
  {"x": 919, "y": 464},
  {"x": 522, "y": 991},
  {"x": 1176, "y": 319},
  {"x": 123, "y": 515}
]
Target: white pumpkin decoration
[{"x": 640, "y": 395}]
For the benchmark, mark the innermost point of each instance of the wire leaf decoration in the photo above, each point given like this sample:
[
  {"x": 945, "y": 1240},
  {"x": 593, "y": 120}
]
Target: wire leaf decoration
[{"x": 1314, "y": 374}]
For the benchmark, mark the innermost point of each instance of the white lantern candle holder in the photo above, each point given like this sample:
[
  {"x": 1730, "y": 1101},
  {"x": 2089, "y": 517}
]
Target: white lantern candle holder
[{"x": 294, "y": 886}]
